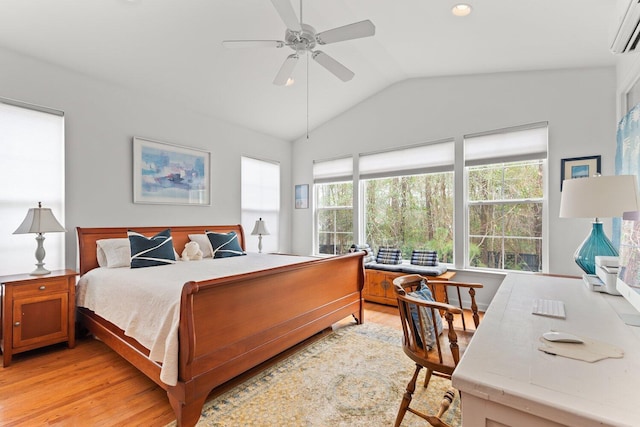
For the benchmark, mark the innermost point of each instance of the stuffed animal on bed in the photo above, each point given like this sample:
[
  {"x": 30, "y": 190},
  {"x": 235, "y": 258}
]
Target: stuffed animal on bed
[{"x": 192, "y": 252}]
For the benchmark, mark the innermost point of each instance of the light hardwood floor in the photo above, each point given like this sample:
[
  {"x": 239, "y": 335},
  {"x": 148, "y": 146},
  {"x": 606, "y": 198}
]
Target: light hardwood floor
[{"x": 90, "y": 385}]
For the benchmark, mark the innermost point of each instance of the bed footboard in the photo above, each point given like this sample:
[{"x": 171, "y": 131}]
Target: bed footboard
[{"x": 236, "y": 323}]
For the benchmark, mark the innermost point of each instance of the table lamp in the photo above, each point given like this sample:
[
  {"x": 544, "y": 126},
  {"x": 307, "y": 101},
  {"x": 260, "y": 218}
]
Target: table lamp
[
  {"x": 260, "y": 229},
  {"x": 597, "y": 197},
  {"x": 39, "y": 221}
]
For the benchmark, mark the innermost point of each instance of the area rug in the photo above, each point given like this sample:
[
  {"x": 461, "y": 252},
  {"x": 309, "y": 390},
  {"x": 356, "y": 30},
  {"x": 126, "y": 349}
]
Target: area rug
[{"x": 355, "y": 376}]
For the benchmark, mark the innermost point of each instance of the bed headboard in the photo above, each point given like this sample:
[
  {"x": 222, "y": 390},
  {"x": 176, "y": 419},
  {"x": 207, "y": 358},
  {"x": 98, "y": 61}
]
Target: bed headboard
[{"x": 87, "y": 238}]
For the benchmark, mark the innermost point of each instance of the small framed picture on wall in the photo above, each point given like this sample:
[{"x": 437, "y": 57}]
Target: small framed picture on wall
[
  {"x": 579, "y": 167},
  {"x": 302, "y": 196}
]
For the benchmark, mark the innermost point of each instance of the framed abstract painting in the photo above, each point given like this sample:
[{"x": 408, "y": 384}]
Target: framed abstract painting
[{"x": 170, "y": 174}]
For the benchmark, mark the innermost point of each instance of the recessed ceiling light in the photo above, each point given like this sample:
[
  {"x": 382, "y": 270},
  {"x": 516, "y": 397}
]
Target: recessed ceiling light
[{"x": 461, "y": 9}]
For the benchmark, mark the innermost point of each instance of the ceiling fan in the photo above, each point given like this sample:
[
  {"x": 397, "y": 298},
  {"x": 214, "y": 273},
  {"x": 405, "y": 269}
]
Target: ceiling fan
[{"x": 303, "y": 38}]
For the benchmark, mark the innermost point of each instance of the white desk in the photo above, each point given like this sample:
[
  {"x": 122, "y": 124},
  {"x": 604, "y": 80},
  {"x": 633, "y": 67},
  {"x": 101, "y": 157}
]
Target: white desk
[{"x": 505, "y": 380}]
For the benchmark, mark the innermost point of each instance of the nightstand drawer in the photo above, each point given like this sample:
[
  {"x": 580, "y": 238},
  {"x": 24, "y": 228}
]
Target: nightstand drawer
[{"x": 42, "y": 286}]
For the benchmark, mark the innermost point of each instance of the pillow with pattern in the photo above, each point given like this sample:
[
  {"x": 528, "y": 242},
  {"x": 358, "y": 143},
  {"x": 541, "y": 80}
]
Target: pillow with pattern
[
  {"x": 423, "y": 292},
  {"x": 423, "y": 257},
  {"x": 389, "y": 256},
  {"x": 151, "y": 251},
  {"x": 224, "y": 245}
]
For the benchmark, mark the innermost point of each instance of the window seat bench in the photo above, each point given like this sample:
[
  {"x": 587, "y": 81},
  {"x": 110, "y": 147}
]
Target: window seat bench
[{"x": 378, "y": 286}]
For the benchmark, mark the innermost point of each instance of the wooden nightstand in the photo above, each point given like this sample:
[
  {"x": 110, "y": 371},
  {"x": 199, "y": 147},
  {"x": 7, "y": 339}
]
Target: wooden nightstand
[{"x": 37, "y": 311}]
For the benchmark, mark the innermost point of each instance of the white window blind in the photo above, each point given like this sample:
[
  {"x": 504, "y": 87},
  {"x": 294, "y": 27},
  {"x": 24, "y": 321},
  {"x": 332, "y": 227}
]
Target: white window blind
[
  {"x": 32, "y": 165},
  {"x": 507, "y": 145},
  {"x": 260, "y": 198},
  {"x": 428, "y": 158},
  {"x": 333, "y": 170}
]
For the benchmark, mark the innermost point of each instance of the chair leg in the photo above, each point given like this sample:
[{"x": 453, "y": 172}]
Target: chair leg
[
  {"x": 406, "y": 399},
  {"x": 427, "y": 377},
  {"x": 447, "y": 399}
]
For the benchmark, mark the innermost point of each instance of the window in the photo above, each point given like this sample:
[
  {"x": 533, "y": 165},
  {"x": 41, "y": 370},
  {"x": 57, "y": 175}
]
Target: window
[
  {"x": 260, "y": 198},
  {"x": 32, "y": 164},
  {"x": 505, "y": 198},
  {"x": 408, "y": 198},
  {"x": 333, "y": 190}
]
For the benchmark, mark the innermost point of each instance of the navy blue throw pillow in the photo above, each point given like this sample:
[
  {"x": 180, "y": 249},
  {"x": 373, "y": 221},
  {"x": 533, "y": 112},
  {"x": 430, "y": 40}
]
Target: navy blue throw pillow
[
  {"x": 225, "y": 245},
  {"x": 426, "y": 258},
  {"x": 389, "y": 256},
  {"x": 151, "y": 251}
]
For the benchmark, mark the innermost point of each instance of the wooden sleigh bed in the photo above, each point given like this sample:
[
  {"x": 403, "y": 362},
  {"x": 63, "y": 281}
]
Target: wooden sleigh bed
[{"x": 217, "y": 338}]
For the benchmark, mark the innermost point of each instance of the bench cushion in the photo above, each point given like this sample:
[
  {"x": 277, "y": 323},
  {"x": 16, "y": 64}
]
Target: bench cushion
[{"x": 407, "y": 268}]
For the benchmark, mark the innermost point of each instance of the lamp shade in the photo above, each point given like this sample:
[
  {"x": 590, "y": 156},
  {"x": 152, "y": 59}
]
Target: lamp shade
[
  {"x": 598, "y": 197},
  {"x": 260, "y": 228},
  {"x": 39, "y": 220}
]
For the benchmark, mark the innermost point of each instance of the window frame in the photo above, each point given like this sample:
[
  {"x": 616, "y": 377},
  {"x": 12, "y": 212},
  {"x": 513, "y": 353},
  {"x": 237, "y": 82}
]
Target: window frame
[
  {"x": 533, "y": 155},
  {"x": 317, "y": 211},
  {"x": 441, "y": 159},
  {"x": 39, "y": 154},
  {"x": 269, "y": 215}
]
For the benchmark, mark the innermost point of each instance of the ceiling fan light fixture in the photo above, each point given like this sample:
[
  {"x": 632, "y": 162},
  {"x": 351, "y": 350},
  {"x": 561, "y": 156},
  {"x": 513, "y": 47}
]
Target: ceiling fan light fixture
[
  {"x": 302, "y": 39},
  {"x": 461, "y": 9}
]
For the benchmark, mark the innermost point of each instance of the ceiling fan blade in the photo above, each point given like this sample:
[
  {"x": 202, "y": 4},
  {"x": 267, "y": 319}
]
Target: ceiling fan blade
[
  {"x": 233, "y": 44},
  {"x": 339, "y": 70},
  {"x": 356, "y": 30},
  {"x": 287, "y": 14},
  {"x": 286, "y": 69}
]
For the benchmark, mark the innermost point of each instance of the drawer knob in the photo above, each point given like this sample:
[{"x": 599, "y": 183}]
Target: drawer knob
[
  {"x": 16, "y": 324},
  {"x": 385, "y": 284},
  {"x": 42, "y": 288}
]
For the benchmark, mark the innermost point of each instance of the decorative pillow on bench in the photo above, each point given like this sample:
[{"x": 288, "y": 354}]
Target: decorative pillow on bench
[
  {"x": 369, "y": 256},
  {"x": 389, "y": 256},
  {"x": 423, "y": 257}
]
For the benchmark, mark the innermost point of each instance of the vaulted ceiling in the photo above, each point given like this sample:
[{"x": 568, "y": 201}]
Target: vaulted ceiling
[{"x": 172, "y": 48}]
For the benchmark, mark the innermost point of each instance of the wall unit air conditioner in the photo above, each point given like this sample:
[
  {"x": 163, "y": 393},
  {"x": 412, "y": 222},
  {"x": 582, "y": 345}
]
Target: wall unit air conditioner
[{"x": 628, "y": 33}]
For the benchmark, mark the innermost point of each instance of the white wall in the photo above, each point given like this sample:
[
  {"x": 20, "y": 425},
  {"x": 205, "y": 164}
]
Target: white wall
[
  {"x": 101, "y": 120},
  {"x": 579, "y": 105}
]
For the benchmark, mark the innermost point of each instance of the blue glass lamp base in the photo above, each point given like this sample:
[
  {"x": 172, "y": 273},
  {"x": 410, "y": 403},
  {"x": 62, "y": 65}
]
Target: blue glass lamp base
[{"x": 596, "y": 244}]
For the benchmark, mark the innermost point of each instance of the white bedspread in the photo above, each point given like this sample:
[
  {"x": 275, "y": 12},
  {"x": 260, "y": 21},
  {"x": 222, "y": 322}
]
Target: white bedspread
[{"x": 145, "y": 302}]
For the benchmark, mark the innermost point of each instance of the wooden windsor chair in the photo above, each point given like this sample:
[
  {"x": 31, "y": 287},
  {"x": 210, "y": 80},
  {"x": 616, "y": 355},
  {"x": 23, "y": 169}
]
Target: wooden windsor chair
[{"x": 438, "y": 353}]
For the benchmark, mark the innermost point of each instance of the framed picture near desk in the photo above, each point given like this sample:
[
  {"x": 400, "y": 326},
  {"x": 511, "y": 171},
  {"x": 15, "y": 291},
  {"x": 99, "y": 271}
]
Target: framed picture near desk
[{"x": 579, "y": 167}]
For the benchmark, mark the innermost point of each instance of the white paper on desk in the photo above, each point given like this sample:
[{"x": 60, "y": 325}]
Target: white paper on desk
[{"x": 589, "y": 351}]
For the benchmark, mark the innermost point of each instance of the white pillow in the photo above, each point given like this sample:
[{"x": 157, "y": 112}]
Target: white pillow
[
  {"x": 205, "y": 245},
  {"x": 114, "y": 253}
]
